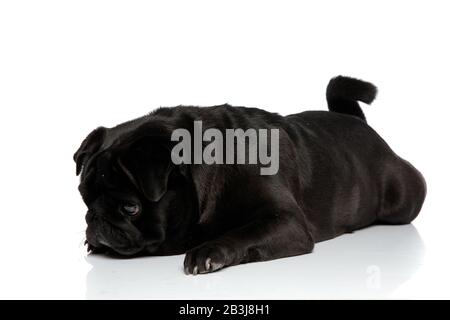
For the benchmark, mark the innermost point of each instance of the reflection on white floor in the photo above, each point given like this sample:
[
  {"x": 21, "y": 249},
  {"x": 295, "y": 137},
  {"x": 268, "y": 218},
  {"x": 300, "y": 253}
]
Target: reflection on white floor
[{"x": 369, "y": 263}]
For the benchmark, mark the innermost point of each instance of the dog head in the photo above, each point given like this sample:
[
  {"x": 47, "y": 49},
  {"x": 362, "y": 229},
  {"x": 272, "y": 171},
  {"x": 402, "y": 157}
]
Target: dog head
[{"x": 138, "y": 200}]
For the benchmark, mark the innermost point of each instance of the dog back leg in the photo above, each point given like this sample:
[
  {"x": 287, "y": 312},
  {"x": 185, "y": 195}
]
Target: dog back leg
[{"x": 404, "y": 191}]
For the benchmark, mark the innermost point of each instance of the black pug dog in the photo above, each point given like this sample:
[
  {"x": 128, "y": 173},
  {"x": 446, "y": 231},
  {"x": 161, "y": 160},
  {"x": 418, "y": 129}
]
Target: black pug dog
[{"x": 336, "y": 175}]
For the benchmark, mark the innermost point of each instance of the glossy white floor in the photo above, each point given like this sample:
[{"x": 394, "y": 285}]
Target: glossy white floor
[
  {"x": 374, "y": 263},
  {"x": 43, "y": 257},
  {"x": 67, "y": 67},
  {"x": 379, "y": 262}
]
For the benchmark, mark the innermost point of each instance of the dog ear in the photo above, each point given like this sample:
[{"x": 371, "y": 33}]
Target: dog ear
[
  {"x": 90, "y": 145},
  {"x": 148, "y": 165}
]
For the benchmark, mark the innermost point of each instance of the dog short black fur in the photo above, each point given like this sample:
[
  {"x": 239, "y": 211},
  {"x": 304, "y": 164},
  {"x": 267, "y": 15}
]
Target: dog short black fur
[{"x": 336, "y": 175}]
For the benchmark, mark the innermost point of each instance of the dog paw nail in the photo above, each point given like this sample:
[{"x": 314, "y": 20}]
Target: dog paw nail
[
  {"x": 208, "y": 263},
  {"x": 216, "y": 266},
  {"x": 195, "y": 271}
]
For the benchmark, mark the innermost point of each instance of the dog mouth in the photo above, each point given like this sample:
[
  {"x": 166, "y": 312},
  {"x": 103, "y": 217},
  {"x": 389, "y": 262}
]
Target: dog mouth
[
  {"x": 116, "y": 252},
  {"x": 104, "y": 237}
]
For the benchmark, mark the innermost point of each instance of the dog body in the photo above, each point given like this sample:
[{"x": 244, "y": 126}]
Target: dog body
[{"x": 336, "y": 175}]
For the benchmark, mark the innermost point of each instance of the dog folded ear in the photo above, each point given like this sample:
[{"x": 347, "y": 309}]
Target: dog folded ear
[
  {"x": 148, "y": 165},
  {"x": 90, "y": 145}
]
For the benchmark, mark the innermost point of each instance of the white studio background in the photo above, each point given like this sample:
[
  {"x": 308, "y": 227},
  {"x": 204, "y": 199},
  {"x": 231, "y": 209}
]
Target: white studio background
[{"x": 67, "y": 67}]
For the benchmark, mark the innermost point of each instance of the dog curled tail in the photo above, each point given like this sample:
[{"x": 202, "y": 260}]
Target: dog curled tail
[{"x": 343, "y": 94}]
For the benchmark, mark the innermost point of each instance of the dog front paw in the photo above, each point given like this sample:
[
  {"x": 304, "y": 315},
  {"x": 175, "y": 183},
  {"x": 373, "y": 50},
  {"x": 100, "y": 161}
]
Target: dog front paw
[{"x": 206, "y": 258}]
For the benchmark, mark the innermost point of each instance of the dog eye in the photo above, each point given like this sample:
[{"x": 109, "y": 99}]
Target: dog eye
[{"x": 130, "y": 209}]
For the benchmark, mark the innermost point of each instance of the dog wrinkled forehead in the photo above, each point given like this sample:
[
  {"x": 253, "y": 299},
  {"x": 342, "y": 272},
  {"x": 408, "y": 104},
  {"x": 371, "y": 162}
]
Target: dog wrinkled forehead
[
  {"x": 101, "y": 174},
  {"x": 136, "y": 150},
  {"x": 120, "y": 137}
]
